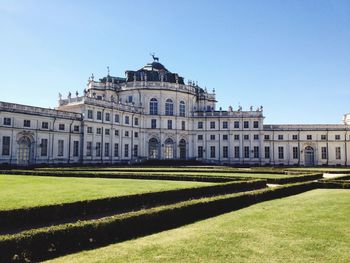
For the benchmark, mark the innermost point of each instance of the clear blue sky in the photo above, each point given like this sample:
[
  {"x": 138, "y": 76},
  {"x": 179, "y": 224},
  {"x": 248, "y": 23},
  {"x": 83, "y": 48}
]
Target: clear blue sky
[{"x": 292, "y": 57}]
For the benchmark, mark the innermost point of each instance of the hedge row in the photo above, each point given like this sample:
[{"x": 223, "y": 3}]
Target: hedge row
[
  {"x": 334, "y": 184},
  {"x": 27, "y": 217},
  {"x": 179, "y": 169},
  {"x": 197, "y": 178},
  {"x": 340, "y": 177},
  {"x": 41, "y": 244},
  {"x": 294, "y": 179}
]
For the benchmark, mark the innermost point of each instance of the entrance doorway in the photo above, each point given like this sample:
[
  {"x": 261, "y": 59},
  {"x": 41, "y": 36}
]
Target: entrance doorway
[
  {"x": 169, "y": 149},
  {"x": 153, "y": 146},
  {"x": 309, "y": 156},
  {"x": 24, "y": 151},
  {"x": 182, "y": 146}
]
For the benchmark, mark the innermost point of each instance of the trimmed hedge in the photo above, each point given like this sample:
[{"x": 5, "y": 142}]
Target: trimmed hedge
[
  {"x": 41, "y": 244},
  {"x": 295, "y": 179},
  {"x": 340, "y": 177},
  {"x": 179, "y": 169},
  {"x": 26, "y": 217},
  {"x": 334, "y": 184}
]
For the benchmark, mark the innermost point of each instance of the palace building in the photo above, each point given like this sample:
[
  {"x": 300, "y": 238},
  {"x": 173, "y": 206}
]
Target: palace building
[{"x": 151, "y": 113}]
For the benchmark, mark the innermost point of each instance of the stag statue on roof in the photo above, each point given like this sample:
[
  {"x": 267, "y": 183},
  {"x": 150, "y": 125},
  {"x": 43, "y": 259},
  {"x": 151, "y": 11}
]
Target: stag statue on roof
[{"x": 154, "y": 57}]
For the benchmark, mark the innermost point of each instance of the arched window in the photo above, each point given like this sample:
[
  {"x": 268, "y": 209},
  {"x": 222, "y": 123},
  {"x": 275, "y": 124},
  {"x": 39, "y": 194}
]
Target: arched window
[
  {"x": 153, "y": 148},
  {"x": 169, "y": 149},
  {"x": 169, "y": 107},
  {"x": 153, "y": 107},
  {"x": 182, "y": 108}
]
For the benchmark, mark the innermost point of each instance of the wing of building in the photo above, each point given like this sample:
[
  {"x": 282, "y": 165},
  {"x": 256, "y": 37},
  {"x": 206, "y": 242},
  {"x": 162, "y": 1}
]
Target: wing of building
[{"x": 152, "y": 114}]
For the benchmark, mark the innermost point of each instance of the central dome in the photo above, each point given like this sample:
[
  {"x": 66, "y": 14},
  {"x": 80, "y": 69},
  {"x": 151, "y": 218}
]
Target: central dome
[{"x": 154, "y": 66}]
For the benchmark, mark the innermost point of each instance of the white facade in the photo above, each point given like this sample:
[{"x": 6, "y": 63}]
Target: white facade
[{"x": 153, "y": 114}]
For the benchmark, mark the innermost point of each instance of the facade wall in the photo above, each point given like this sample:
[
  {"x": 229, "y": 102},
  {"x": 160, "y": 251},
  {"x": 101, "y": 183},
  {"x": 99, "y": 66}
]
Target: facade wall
[{"x": 112, "y": 122}]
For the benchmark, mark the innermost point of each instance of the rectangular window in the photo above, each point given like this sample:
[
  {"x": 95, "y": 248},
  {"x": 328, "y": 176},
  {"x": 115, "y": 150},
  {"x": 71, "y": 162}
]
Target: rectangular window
[
  {"x": 225, "y": 137},
  {"x": 116, "y": 118},
  {"x": 256, "y": 136},
  {"x": 127, "y": 120},
  {"x": 26, "y": 123},
  {"x": 266, "y": 137},
  {"x": 43, "y": 147},
  {"x": 76, "y": 128},
  {"x": 98, "y": 149},
  {"x": 60, "y": 148},
  {"x": 246, "y": 124},
  {"x": 309, "y": 137},
  {"x": 212, "y": 137},
  {"x": 99, "y": 115},
  {"x": 76, "y": 148},
  {"x": 323, "y": 137},
  {"x": 256, "y": 151},
  {"x": 136, "y": 121},
  {"x": 212, "y": 151},
  {"x": 99, "y": 130},
  {"x": 236, "y": 124},
  {"x": 106, "y": 149},
  {"x": 200, "y": 125},
  {"x": 61, "y": 127},
  {"x": 212, "y": 125},
  {"x": 6, "y": 145},
  {"x": 200, "y": 137},
  {"x": 183, "y": 125},
  {"x": 108, "y": 116},
  {"x": 107, "y": 131},
  {"x": 294, "y": 137},
  {"x": 280, "y": 137},
  {"x": 7, "y": 121},
  {"x": 89, "y": 114},
  {"x": 324, "y": 153},
  {"x": 44, "y": 125},
  {"x": 246, "y": 151},
  {"x": 280, "y": 152},
  {"x": 267, "y": 152},
  {"x": 116, "y": 149},
  {"x": 200, "y": 151},
  {"x": 225, "y": 125},
  {"x": 136, "y": 149},
  {"x": 88, "y": 148},
  {"x": 153, "y": 123},
  {"x": 126, "y": 150},
  {"x": 236, "y": 151},
  {"x": 170, "y": 124},
  {"x": 116, "y": 132},
  {"x": 295, "y": 153},
  {"x": 129, "y": 99},
  {"x": 337, "y": 137},
  {"x": 136, "y": 134},
  {"x": 126, "y": 133},
  {"x": 89, "y": 129},
  {"x": 256, "y": 124},
  {"x": 236, "y": 137},
  {"x": 225, "y": 151},
  {"x": 337, "y": 153},
  {"x": 246, "y": 137}
]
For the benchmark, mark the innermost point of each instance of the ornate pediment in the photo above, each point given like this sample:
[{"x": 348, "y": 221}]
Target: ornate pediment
[{"x": 25, "y": 133}]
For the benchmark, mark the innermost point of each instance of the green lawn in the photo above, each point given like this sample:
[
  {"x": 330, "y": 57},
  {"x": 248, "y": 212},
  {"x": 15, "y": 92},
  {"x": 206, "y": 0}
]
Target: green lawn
[
  {"x": 18, "y": 191},
  {"x": 310, "y": 227}
]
